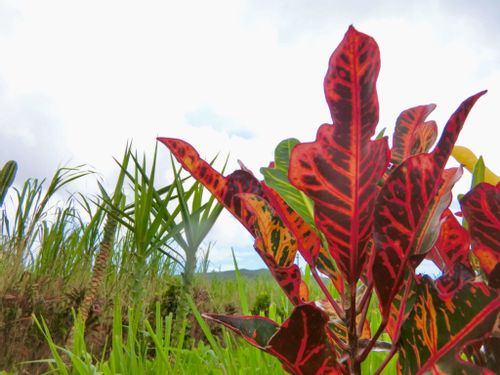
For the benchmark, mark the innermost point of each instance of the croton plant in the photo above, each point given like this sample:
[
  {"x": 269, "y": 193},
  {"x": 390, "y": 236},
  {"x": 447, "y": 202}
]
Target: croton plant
[{"x": 364, "y": 215}]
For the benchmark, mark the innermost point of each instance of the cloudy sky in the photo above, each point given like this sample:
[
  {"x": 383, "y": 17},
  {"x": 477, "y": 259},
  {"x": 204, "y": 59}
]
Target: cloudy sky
[{"x": 80, "y": 78}]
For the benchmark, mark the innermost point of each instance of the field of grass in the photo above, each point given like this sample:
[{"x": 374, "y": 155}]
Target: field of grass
[{"x": 49, "y": 249}]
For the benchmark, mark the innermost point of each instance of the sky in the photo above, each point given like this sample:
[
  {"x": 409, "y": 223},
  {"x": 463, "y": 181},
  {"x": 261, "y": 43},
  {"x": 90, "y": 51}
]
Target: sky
[{"x": 80, "y": 79}]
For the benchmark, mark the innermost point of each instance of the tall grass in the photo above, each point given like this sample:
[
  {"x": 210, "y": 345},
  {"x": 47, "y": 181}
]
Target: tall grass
[{"x": 108, "y": 284}]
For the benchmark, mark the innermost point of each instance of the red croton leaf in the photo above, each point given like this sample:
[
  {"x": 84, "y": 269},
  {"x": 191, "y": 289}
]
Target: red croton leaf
[
  {"x": 450, "y": 253},
  {"x": 309, "y": 242},
  {"x": 340, "y": 170},
  {"x": 409, "y": 207},
  {"x": 228, "y": 191},
  {"x": 424, "y": 138},
  {"x": 225, "y": 189},
  {"x": 277, "y": 246},
  {"x": 438, "y": 329},
  {"x": 481, "y": 208},
  {"x": 452, "y": 245},
  {"x": 412, "y": 134},
  {"x": 302, "y": 342}
]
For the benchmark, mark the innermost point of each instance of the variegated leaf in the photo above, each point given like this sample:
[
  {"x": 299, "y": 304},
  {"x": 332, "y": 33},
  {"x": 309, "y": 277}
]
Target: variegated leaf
[
  {"x": 425, "y": 136},
  {"x": 452, "y": 245},
  {"x": 277, "y": 246},
  {"x": 340, "y": 170},
  {"x": 225, "y": 189},
  {"x": 301, "y": 343},
  {"x": 309, "y": 242},
  {"x": 437, "y": 330},
  {"x": 409, "y": 206},
  {"x": 276, "y": 240},
  {"x": 481, "y": 208},
  {"x": 406, "y": 225},
  {"x": 412, "y": 135}
]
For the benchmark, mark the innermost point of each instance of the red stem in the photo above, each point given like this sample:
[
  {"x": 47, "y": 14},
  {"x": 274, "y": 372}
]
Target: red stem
[
  {"x": 342, "y": 345},
  {"x": 365, "y": 302},
  {"x": 329, "y": 297},
  {"x": 374, "y": 339},
  {"x": 398, "y": 325},
  {"x": 366, "y": 296},
  {"x": 384, "y": 323},
  {"x": 352, "y": 332},
  {"x": 386, "y": 360}
]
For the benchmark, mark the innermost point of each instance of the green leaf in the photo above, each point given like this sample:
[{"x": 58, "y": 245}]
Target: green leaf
[
  {"x": 478, "y": 174},
  {"x": 277, "y": 178}
]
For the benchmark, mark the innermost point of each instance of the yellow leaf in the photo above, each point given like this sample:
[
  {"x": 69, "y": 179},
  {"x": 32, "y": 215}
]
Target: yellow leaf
[{"x": 468, "y": 159}]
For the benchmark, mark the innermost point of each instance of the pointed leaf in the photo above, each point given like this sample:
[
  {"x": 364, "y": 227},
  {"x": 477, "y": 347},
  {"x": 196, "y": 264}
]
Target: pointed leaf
[
  {"x": 225, "y": 189},
  {"x": 481, "y": 208},
  {"x": 308, "y": 241},
  {"x": 478, "y": 172},
  {"x": 437, "y": 330},
  {"x": 409, "y": 206},
  {"x": 406, "y": 224},
  {"x": 411, "y": 136},
  {"x": 340, "y": 170},
  {"x": 277, "y": 247}
]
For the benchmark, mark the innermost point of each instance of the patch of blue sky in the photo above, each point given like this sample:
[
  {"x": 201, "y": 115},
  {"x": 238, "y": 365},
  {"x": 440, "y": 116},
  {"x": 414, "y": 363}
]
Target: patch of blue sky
[{"x": 206, "y": 117}]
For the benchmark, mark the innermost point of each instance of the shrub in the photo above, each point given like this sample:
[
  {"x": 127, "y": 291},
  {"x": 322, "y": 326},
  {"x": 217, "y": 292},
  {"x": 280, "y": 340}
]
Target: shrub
[{"x": 366, "y": 215}]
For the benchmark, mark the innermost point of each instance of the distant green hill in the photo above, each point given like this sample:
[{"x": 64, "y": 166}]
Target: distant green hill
[{"x": 250, "y": 274}]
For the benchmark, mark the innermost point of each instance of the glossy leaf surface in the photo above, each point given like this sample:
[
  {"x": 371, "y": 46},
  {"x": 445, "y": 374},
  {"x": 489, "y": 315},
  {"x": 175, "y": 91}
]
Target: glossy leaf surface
[
  {"x": 308, "y": 241},
  {"x": 452, "y": 245},
  {"x": 437, "y": 330},
  {"x": 301, "y": 343},
  {"x": 228, "y": 190},
  {"x": 481, "y": 208},
  {"x": 277, "y": 246},
  {"x": 276, "y": 177},
  {"x": 340, "y": 170},
  {"x": 225, "y": 189},
  {"x": 412, "y": 134},
  {"x": 409, "y": 207}
]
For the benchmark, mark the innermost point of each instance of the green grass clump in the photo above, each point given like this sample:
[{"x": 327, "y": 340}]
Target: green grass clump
[{"x": 67, "y": 308}]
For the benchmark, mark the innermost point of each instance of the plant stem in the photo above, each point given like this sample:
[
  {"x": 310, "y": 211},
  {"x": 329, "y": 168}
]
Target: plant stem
[
  {"x": 386, "y": 360},
  {"x": 186, "y": 290},
  {"x": 374, "y": 339},
  {"x": 338, "y": 310},
  {"x": 401, "y": 314},
  {"x": 365, "y": 303},
  {"x": 352, "y": 334},
  {"x": 342, "y": 345}
]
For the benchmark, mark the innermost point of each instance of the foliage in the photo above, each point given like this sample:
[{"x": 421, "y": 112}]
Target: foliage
[
  {"x": 52, "y": 263},
  {"x": 365, "y": 215},
  {"x": 469, "y": 160},
  {"x": 7, "y": 176}
]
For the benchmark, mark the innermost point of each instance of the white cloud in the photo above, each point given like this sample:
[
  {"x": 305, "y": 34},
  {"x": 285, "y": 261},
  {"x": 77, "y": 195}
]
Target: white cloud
[{"x": 108, "y": 72}]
